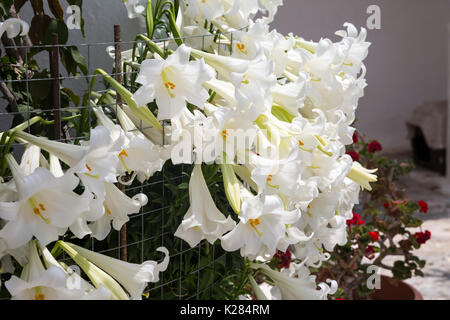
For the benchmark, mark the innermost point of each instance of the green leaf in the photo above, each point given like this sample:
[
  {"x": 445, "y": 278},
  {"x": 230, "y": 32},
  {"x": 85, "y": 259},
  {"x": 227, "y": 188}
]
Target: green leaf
[
  {"x": 38, "y": 6},
  {"x": 75, "y": 99},
  {"x": 38, "y": 27},
  {"x": 59, "y": 27},
  {"x": 79, "y": 59},
  {"x": 56, "y": 9}
]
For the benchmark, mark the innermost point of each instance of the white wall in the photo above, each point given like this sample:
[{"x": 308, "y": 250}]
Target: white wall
[{"x": 407, "y": 62}]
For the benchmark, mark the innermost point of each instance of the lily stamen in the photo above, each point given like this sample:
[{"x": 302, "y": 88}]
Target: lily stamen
[
  {"x": 37, "y": 208},
  {"x": 254, "y": 223},
  {"x": 39, "y": 295},
  {"x": 269, "y": 179},
  {"x": 122, "y": 154},
  {"x": 241, "y": 48},
  {"x": 95, "y": 176}
]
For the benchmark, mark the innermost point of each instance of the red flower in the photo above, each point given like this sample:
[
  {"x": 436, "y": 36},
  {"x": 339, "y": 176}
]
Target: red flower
[
  {"x": 284, "y": 257},
  {"x": 339, "y": 299},
  {"x": 370, "y": 252},
  {"x": 422, "y": 237},
  {"x": 355, "y": 137},
  {"x": 374, "y": 146},
  {"x": 374, "y": 235},
  {"x": 353, "y": 154},
  {"x": 423, "y": 206},
  {"x": 355, "y": 220},
  {"x": 386, "y": 205}
]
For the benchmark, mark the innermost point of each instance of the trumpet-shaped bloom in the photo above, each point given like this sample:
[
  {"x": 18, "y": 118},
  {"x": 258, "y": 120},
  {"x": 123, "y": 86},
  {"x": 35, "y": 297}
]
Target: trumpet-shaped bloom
[
  {"x": 46, "y": 206},
  {"x": 203, "y": 220},
  {"x": 133, "y": 277},
  {"x": 173, "y": 82},
  {"x": 138, "y": 154},
  {"x": 117, "y": 207},
  {"x": 12, "y": 27},
  {"x": 263, "y": 224},
  {"x": 95, "y": 162},
  {"x": 38, "y": 283},
  {"x": 299, "y": 285}
]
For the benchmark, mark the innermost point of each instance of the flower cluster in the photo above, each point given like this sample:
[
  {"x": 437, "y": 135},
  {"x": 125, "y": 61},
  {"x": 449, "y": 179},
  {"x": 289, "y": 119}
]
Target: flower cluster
[{"x": 275, "y": 111}]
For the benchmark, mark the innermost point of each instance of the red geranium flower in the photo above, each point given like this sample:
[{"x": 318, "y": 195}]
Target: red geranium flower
[
  {"x": 422, "y": 237},
  {"x": 370, "y": 252},
  {"x": 355, "y": 137},
  {"x": 354, "y": 155},
  {"x": 386, "y": 205},
  {"x": 355, "y": 220},
  {"x": 423, "y": 206},
  {"x": 284, "y": 257},
  {"x": 374, "y": 235},
  {"x": 374, "y": 146}
]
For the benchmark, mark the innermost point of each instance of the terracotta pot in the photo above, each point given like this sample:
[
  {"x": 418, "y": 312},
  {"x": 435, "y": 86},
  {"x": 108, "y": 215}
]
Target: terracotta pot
[{"x": 392, "y": 289}]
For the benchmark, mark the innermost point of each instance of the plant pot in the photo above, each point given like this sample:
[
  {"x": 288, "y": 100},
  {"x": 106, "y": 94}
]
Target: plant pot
[{"x": 392, "y": 289}]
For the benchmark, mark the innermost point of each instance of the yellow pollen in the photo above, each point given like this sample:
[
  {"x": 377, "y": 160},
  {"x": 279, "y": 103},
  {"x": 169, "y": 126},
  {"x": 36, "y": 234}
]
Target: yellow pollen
[
  {"x": 107, "y": 209},
  {"x": 224, "y": 133},
  {"x": 96, "y": 176},
  {"x": 254, "y": 223},
  {"x": 269, "y": 179},
  {"x": 196, "y": 228},
  {"x": 168, "y": 84},
  {"x": 241, "y": 48},
  {"x": 300, "y": 143},
  {"x": 39, "y": 295},
  {"x": 122, "y": 154},
  {"x": 37, "y": 207}
]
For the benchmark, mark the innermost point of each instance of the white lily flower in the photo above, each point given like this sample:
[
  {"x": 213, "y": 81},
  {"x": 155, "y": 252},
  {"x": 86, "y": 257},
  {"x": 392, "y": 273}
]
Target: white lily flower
[
  {"x": 38, "y": 283},
  {"x": 94, "y": 163},
  {"x": 263, "y": 223},
  {"x": 203, "y": 9},
  {"x": 133, "y": 277},
  {"x": 203, "y": 220},
  {"x": 46, "y": 206},
  {"x": 138, "y": 153},
  {"x": 224, "y": 65},
  {"x": 12, "y": 27},
  {"x": 173, "y": 82},
  {"x": 117, "y": 206},
  {"x": 299, "y": 285},
  {"x": 30, "y": 159}
]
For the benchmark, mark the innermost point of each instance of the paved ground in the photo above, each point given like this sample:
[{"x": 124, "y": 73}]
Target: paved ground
[{"x": 422, "y": 184}]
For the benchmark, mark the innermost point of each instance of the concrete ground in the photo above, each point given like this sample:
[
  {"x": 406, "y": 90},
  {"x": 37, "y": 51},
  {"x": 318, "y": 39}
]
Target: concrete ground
[{"x": 423, "y": 184}]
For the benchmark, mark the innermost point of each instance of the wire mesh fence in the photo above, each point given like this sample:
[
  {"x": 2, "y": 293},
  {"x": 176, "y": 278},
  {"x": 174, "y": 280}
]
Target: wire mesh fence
[{"x": 193, "y": 273}]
